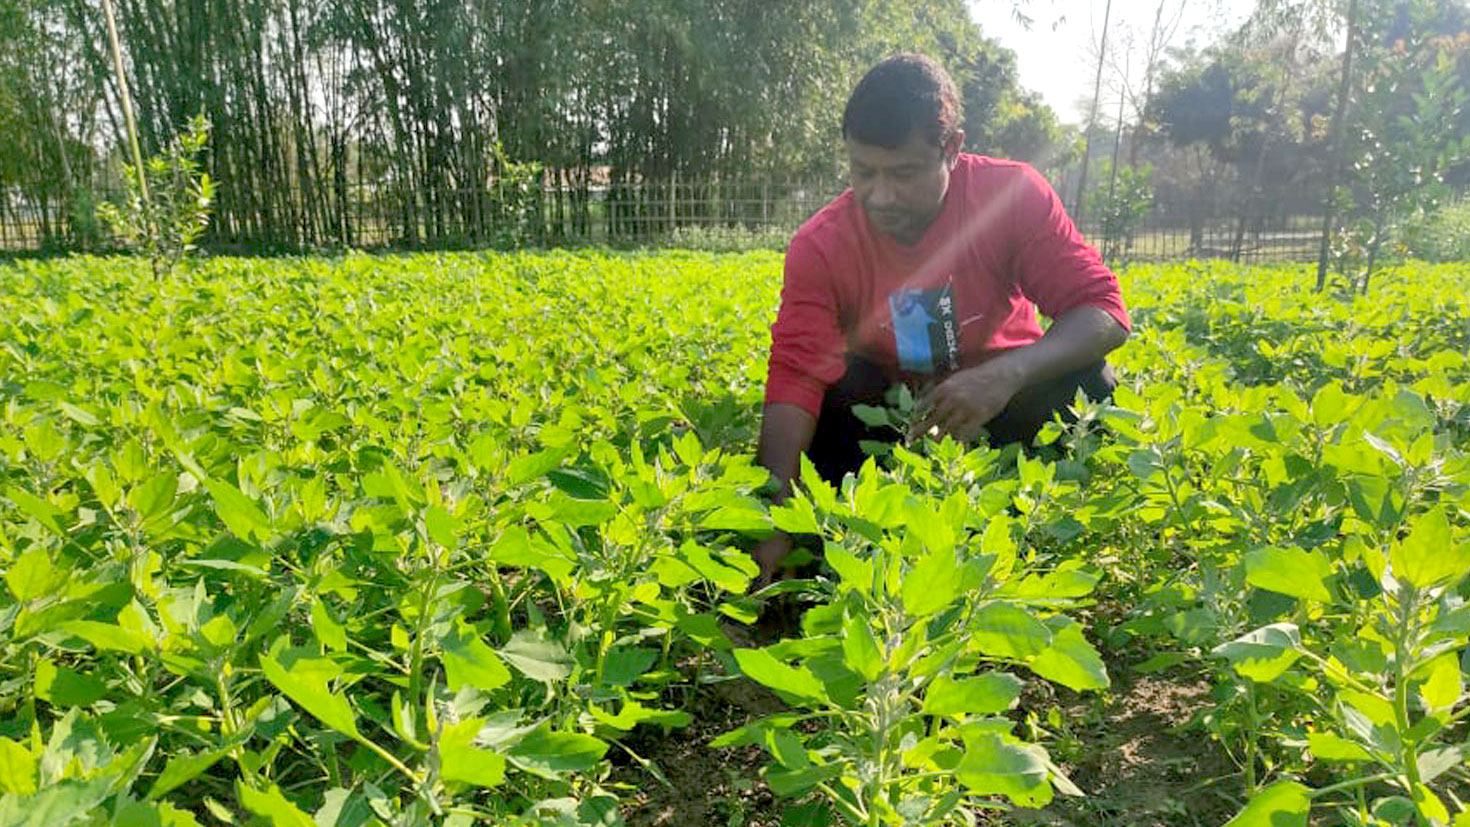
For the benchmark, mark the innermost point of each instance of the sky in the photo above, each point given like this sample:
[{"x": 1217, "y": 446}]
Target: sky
[{"x": 1054, "y": 56}]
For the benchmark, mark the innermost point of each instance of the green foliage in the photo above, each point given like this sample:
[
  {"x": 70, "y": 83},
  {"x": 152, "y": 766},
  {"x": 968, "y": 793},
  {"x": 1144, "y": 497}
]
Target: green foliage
[
  {"x": 268, "y": 553},
  {"x": 1438, "y": 235},
  {"x": 1407, "y": 138},
  {"x": 167, "y": 203},
  {"x": 514, "y": 201},
  {"x": 1120, "y": 200},
  {"x": 1316, "y": 518},
  {"x": 910, "y": 657}
]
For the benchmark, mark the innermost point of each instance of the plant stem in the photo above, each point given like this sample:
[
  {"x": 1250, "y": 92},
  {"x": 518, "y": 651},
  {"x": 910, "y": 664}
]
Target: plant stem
[
  {"x": 127, "y": 104},
  {"x": 1353, "y": 783},
  {"x": 1408, "y": 759}
]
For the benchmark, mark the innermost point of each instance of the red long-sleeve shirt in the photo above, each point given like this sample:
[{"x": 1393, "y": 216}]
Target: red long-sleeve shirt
[{"x": 1001, "y": 247}]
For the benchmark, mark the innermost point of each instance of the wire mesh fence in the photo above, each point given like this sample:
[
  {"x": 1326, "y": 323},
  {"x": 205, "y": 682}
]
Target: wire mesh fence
[{"x": 704, "y": 214}]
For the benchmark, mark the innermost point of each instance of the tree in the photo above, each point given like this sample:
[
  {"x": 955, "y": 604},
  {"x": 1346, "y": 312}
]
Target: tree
[{"x": 1405, "y": 134}]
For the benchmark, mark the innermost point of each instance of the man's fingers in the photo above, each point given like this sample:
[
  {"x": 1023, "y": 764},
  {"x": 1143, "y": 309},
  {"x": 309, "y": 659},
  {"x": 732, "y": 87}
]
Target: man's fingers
[
  {"x": 936, "y": 415},
  {"x": 922, "y": 423}
]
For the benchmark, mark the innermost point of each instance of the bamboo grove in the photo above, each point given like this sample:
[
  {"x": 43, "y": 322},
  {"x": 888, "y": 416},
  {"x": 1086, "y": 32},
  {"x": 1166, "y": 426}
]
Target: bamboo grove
[{"x": 447, "y": 115}]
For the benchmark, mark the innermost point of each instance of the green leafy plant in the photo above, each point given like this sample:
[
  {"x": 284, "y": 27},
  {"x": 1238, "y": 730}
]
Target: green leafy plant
[
  {"x": 164, "y": 224},
  {"x": 1120, "y": 200},
  {"x": 906, "y": 669},
  {"x": 268, "y": 554}
]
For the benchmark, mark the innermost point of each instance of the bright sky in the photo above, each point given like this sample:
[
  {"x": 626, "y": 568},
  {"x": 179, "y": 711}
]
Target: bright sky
[{"x": 1055, "y": 55}]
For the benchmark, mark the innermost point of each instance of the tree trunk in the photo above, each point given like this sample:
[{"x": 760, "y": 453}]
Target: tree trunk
[
  {"x": 1334, "y": 145},
  {"x": 1079, "y": 208}
]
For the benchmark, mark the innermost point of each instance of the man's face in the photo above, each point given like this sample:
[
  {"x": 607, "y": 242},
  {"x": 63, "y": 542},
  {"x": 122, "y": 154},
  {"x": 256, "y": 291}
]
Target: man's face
[{"x": 901, "y": 190}]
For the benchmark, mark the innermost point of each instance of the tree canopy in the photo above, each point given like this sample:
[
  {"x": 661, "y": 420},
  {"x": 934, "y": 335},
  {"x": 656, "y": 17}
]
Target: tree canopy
[{"x": 427, "y": 103}]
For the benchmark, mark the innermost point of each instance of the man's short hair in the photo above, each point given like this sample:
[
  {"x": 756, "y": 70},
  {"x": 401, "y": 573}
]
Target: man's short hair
[{"x": 904, "y": 94}]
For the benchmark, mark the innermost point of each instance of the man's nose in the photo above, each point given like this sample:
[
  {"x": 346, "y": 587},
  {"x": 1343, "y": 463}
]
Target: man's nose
[{"x": 883, "y": 194}]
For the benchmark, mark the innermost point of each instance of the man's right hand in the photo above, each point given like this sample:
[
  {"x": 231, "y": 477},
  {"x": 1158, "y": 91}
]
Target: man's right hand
[{"x": 768, "y": 555}]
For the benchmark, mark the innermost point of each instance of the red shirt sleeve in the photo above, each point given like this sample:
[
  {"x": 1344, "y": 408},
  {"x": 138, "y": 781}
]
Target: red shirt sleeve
[
  {"x": 1054, "y": 266},
  {"x": 807, "y": 345}
]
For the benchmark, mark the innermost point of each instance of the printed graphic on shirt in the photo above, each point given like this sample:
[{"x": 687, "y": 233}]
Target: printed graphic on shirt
[{"x": 924, "y": 329}]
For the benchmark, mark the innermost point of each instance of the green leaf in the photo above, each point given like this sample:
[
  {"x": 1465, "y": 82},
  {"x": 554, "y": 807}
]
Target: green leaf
[
  {"x": 344, "y": 808},
  {"x": 853, "y": 572},
  {"x": 1429, "y": 556},
  {"x": 574, "y": 513},
  {"x": 107, "y": 636},
  {"x": 469, "y": 662},
  {"x": 1069, "y": 580},
  {"x": 988, "y": 694},
  {"x": 538, "y": 657},
  {"x": 442, "y": 527},
  {"x": 65, "y": 687},
  {"x": 1443, "y": 688},
  {"x": 552, "y": 754},
  {"x": 45, "y": 513},
  {"x": 787, "y": 749},
  {"x": 1429, "y": 805},
  {"x": 66, "y": 802},
  {"x": 460, "y": 761},
  {"x": 271, "y": 806},
  {"x": 305, "y": 683},
  {"x": 79, "y": 415},
  {"x": 17, "y": 768},
  {"x": 932, "y": 584},
  {"x": 1436, "y": 762},
  {"x": 1262, "y": 655},
  {"x": 1283, "y": 804},
  {"x": 1328, "y": 747},
  {"x": 763, "y": 668},
  {"x": 328, "y": 630},
  {"x": 1071, "y": 661},
  {"x": 712, "y": 567},
  {"x": 860, "y": 648},
  {"x": 32, "y": 575},
  {"x": 150, "y": 814},
  {"x": 753, "y": 733},
  {"x": 239, "y": 513},
  {"x": 516, "y": 548},
  {"x": 185, "y": 766},
  {"x": 795, "y": 516},
  {"x": 1005, "y": 630},
  {"x": 991, "y": 766},
  {"x": 787, "y": 783},
  {"x": 525, "y": 468},
  {"x": 155, "y": 497},
  {"x": 1290, "y": 571},
  {"x": 633, "y": 714},
  {"x": 624, "y": 665}
]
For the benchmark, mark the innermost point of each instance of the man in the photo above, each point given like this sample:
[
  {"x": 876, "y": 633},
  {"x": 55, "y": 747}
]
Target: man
[{"x": 929, "y": 270}]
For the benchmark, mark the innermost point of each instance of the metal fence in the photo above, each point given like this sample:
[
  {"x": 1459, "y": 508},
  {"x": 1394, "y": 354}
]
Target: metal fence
[{"x": 713, "y": 215}]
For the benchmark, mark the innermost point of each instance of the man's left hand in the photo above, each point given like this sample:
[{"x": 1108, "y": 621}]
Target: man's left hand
[{"x": 962, "y": 404}]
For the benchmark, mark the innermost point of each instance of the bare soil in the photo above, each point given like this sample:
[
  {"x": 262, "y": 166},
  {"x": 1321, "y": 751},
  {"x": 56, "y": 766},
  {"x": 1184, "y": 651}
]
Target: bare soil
[
  {"x": 1138, "y": 762},
  {"x": 702, "y": 786}
]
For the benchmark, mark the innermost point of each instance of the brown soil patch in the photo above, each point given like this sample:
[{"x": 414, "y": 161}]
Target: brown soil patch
[
  {"x": 1137, "y": 761},
  {"x": 705, "y": 787}
]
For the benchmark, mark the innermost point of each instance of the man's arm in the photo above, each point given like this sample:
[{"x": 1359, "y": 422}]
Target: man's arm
[
  {"x": 786, "y": 431},
  {"x": 963, "y": 403},
  {"x": 807, "y": 347}
]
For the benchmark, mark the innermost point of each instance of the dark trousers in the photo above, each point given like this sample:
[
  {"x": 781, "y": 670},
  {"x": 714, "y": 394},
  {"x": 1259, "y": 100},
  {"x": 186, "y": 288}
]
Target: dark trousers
[{"x": 835, "y": 450}]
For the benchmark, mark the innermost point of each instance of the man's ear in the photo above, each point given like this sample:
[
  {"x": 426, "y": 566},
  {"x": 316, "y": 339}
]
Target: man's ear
[{"x": 952, "y": 148}]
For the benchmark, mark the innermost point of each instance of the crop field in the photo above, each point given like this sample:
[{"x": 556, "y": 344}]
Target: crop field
[{"x": 461, "y": 539}]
